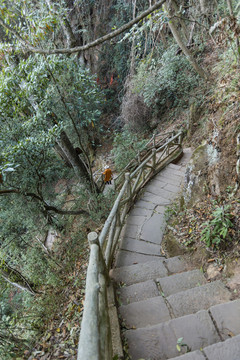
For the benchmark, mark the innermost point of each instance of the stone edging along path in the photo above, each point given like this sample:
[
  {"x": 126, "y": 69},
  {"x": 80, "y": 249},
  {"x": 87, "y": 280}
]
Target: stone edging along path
[{"x": 162, "y": 303}]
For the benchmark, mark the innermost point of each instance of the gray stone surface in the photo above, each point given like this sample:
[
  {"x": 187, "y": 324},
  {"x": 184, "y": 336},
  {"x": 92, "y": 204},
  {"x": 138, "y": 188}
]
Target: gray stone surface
[
  {"x": 163, "y": 198},
  {"x": 193, "y": 355},
  {"x": 138, "y": 273},
  {"x": 145, "y": 204},
  {"x": 153, "y": 189},
  {"x": 173, "y": 172},
  {"x": 175, "y": 167},
  {"x": 131, "y": 231},
  {"x": 141, "y": 211},
  {"x": 172, "y": 188},
  {"x": 126, "y": 258},
  {"x": 152, "y": 230},
  {"x": 175, "y": 265},
  {"x": 136, "y": 220},
  {"x": 140, "y": 246},
  {"x": 170, "y": 179},
  {"x": 227, "y": 350},
  {"x": 145, "y": 313},
  {"x": 227, "y": 318},
  {"x": 201, "y": 297},
  {"x": 137, "y": 292},
  {"x": 156, "y": 183},
  {"x": 181, "y": 282},
  {"x": 159, "y": 183},
  {"x": 158, "y": 342}
]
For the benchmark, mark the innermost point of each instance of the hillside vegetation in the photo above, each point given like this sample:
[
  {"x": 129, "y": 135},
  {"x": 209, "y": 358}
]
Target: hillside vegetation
[{"x": 70, "y": 105}]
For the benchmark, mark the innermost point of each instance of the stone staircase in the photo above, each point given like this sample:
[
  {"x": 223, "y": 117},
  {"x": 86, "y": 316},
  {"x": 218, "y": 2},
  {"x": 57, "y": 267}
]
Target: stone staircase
[{"x": 163, "y": 302}]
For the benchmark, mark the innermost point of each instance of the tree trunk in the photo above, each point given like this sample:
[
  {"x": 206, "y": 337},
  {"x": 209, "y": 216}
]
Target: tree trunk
[
  {"x": 182, "y": 46},
  {"x": 70, "y": 37},
  {"x": 79, "y": 167},
  {"x": 15, "y": 278},
  {"x": 182, "y": 23},
  {"x": 132, "y": 65}
]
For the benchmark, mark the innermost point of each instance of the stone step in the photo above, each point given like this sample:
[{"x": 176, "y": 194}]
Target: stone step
[
  {"x": 159, "y": 342},
  {"x": 227, "y": 350},
  {"x": 226, "y": 317},
  {"x": 198, "y": 331},
  {"x": 128, "y": 258},
  {"x": 180, "y": 282},
  {"x": 148, "y": 270},
  {"x": 140, "y": 246},
  {"x": 173, "y": 172},
  {"x": 154, "y": 310},
  {"x": 193, "y": 355},
  {"x": 144, "y": 313},
  {"x": 169, "y": 285},
  {"x": 202, "y": 297},
  {"x": 174, "y": 166},
  {"x": 153, "y": 229},
  {"x": 137, "y": 292}
]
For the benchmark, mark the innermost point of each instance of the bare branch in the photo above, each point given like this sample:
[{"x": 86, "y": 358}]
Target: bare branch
[
  {"x": 94, "y": 43},
  {"x": 46, "y": 206}
]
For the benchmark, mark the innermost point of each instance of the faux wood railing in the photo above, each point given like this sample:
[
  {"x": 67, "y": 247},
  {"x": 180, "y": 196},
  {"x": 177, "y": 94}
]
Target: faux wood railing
[
  {"x": 155, "y": 142},
  {"x": 95, "y": 336}
]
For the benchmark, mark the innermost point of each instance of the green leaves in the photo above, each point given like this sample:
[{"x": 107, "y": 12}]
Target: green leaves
[
  {"x": 217, "y": 229},
  {"x": 165, "y": 78},
  {"x": 125, "y": 147}
]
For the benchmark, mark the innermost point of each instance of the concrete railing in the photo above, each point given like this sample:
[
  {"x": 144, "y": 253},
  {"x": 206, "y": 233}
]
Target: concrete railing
[{"x": 95, "y": 336}]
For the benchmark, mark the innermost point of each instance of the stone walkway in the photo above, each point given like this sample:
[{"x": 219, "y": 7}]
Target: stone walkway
[{"x": 161, "y": 301}]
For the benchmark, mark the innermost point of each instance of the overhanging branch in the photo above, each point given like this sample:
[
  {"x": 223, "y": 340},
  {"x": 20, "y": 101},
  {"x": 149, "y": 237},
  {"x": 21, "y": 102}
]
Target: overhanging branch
[
  {"x": 45, "y": 205},
  {"x": 94, "y": 43}
]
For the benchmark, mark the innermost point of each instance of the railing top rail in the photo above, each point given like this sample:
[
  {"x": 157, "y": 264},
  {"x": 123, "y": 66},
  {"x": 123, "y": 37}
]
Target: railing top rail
[
  {"x": 112, "y": 214},
  {"x": 150, "y": 156}
]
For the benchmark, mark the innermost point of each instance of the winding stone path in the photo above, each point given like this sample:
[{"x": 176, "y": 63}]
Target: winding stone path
[{"x": 160, "y": 300}]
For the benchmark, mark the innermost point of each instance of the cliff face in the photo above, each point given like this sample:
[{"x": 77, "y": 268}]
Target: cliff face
[{"x": 213, "y": 169}]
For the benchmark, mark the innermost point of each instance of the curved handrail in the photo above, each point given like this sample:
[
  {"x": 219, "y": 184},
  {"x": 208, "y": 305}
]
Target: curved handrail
[
  {"x": 152, "y": 143},
  {"x": 95, "y": 329}
]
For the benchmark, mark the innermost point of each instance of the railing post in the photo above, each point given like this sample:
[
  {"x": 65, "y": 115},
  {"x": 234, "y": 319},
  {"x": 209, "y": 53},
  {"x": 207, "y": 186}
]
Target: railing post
[
  {"x": 154, "y": 140},
  {"x": 154, "y": 157},
  {"x": 127, "y": 178},
  {"x": 139, "y": 157},
  {"x": 93, "y": 238},
  {"x": 180, "y": 139}
]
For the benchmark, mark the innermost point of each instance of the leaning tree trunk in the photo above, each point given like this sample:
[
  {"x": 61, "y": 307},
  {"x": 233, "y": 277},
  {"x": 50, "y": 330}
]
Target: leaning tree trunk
[
  {"x": 181, "y": 44},
  {"x": 79, "y": 167},
  {"x": 16, "y": 279}
]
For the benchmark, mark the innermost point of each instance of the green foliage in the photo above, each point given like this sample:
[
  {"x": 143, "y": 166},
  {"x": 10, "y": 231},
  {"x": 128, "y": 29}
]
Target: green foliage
[
  {"x": 165, "y": 80},
  {"x": 125, "y": 147},
  {"x": 216, "y": 231},
  {"x": 31, "y": 91}
]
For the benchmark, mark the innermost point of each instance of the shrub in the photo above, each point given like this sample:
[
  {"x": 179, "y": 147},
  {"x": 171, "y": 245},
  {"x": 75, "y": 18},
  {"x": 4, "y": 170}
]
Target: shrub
[
  {"x": 166, "y": 80},
  {"x": 135, "y": 113},
  {"x": 125, "y": 147},
  {"x": 216, "y": 230}
]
